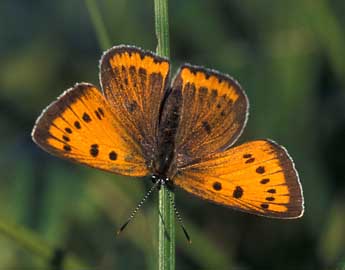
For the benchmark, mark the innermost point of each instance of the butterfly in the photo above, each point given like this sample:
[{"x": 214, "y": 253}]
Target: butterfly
[{"x": 179, "y": 133}]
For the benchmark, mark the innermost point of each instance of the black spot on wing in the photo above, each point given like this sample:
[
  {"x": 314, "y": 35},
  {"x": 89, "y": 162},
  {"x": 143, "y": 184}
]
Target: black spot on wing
[
  {"x": 100, "y": 110},
  {"x": 238, "y": 192},
  {"x": 264, "y": 206},
  {"x": 143, "y": 79},
  {"x": 94, "y": 150},
  {"x": 202, "y": 94},
  {"x": 264, "y": 181},
  {"x": 132, "y": 106},
  {"x": 77, "y": 125},
  {"x": 250, "y": 160},
  {"x": 133, "y": 75},
  {"x": 260, "y": 169},
  {"x": 214, "y": 95},
  {"x": 217, "y": 186},
  {"x": 86, "y": 117},
  {"x": 112, "y": 155},
  {"x": 206, "y": 126},
  {"x": 98, "y": 115}
]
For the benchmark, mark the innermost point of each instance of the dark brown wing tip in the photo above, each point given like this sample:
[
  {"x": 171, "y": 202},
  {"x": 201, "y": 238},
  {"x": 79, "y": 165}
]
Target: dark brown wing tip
[
  {"x": 119, "y": 49},
  {"x": 39, "y": 133},
  {"x": 296, "y": 209}
]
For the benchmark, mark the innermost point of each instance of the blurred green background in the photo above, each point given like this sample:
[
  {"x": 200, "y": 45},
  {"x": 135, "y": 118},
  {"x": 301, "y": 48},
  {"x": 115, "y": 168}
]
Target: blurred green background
[{"x": 289, "y": 56}]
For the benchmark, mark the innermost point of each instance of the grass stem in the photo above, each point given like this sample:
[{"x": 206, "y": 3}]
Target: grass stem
[
  {"x": 166, "y": 219},
  {"x": 98, "y": 24}
]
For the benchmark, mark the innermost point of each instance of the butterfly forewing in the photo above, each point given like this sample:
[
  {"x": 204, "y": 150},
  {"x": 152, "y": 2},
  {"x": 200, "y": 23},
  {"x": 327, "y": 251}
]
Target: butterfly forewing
[
  {"x": 258, "y": 177},
  {"x": 213, "y": 114},
  {"x": 134, "y": 83},
  {"x": 81, "y": 126}
]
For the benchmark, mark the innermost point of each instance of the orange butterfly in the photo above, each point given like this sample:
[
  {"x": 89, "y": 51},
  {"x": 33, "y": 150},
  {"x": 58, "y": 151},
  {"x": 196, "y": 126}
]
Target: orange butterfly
[{"x": 179, "y": 134}]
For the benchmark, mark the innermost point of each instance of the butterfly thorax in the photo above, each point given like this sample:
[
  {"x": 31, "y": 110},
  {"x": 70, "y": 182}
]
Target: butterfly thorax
[{"x": 164, "y": 164}]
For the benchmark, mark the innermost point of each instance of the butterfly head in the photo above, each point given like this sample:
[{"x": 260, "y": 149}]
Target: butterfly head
[{"x": 162, "y": 180}]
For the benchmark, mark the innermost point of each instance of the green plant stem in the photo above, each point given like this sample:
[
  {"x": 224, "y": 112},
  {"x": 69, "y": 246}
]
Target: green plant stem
[
  {"x": 166, "y": 231},
  {"x": 162, "y": 27},
  {"x": 98, "y": 24},
  {"x": 30, "y": 241},
  {"x": 166, "y": 218}
]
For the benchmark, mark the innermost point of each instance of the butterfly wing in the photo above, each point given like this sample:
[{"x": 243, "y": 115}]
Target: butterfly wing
[
  {"x": 258, "y": 177},
  {"x": 81, "y": 126},
  {"x": 134, "y": 83},
  {"x": 213, "y": 112},
  {"x": 115, "y": 132}
]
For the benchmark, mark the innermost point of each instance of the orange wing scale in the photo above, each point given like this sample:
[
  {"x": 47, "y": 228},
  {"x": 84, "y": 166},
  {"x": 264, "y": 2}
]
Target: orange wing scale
[
  {"x": 81, "y": 126},
  {"x": 257, "y": 177},
  {"x": 134, "y": 83},
  {"x": 213, "y": 114}
]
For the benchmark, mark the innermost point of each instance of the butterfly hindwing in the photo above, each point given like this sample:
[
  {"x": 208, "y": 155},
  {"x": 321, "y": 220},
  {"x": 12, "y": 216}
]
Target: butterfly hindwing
[
  {"x": 213, "y": 112},
  {"x": 81, "y": 126},
  {"x": 134, "y": 83},
  {"x": 258, "y": 177}
]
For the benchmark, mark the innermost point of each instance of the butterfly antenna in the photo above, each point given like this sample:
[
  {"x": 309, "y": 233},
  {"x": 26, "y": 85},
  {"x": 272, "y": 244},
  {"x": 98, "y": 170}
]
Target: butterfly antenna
[
  {"x": 138, "y": 207},
  {"x": 178, "y": 216}
]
